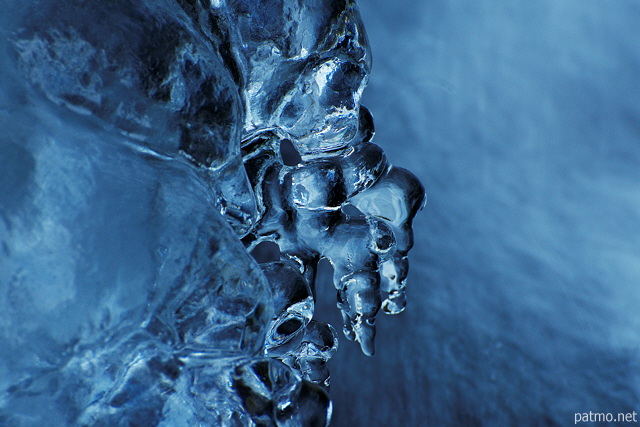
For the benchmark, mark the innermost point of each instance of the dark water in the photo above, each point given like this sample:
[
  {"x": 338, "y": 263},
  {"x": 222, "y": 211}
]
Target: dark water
[{"x": 522, "y": 119}]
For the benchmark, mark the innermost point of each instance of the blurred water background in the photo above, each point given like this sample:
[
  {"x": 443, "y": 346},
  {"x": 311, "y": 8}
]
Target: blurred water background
[{"x": 522, "y": 119}]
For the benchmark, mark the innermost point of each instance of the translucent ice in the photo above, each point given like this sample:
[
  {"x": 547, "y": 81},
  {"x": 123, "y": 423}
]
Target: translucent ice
[
  {"x": 306, "y": 66},
  {"x": 141, "y": 142},
  {"x": 304, "y": 209}
]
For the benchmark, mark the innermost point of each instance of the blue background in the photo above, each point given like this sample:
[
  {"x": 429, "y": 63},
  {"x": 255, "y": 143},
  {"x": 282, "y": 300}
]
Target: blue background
[{"x": 522, "y": 119}]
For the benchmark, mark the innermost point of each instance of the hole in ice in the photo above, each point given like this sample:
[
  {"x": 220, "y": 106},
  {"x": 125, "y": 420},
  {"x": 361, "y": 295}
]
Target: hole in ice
[
  {"x": 266, "y": 252},
  {"x": 290, "y": 156},
  {"x": 289, "y": 327}
]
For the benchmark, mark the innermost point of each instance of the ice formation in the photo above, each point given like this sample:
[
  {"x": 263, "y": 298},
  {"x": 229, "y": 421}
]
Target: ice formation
[{"x": 141, "y": 148}]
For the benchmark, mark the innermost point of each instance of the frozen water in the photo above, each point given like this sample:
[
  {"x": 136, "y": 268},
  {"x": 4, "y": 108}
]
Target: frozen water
[
  {"x": 140, "y": 163},
  {"x": 307, "y": 64}
]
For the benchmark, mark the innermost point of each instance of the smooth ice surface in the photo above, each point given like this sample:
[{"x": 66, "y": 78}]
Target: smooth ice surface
[{"x": 521, "y": 119}]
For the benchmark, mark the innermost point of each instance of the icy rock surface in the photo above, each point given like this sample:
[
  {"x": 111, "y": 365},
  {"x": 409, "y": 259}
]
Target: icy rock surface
[{"x": 141, "y": 142}]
